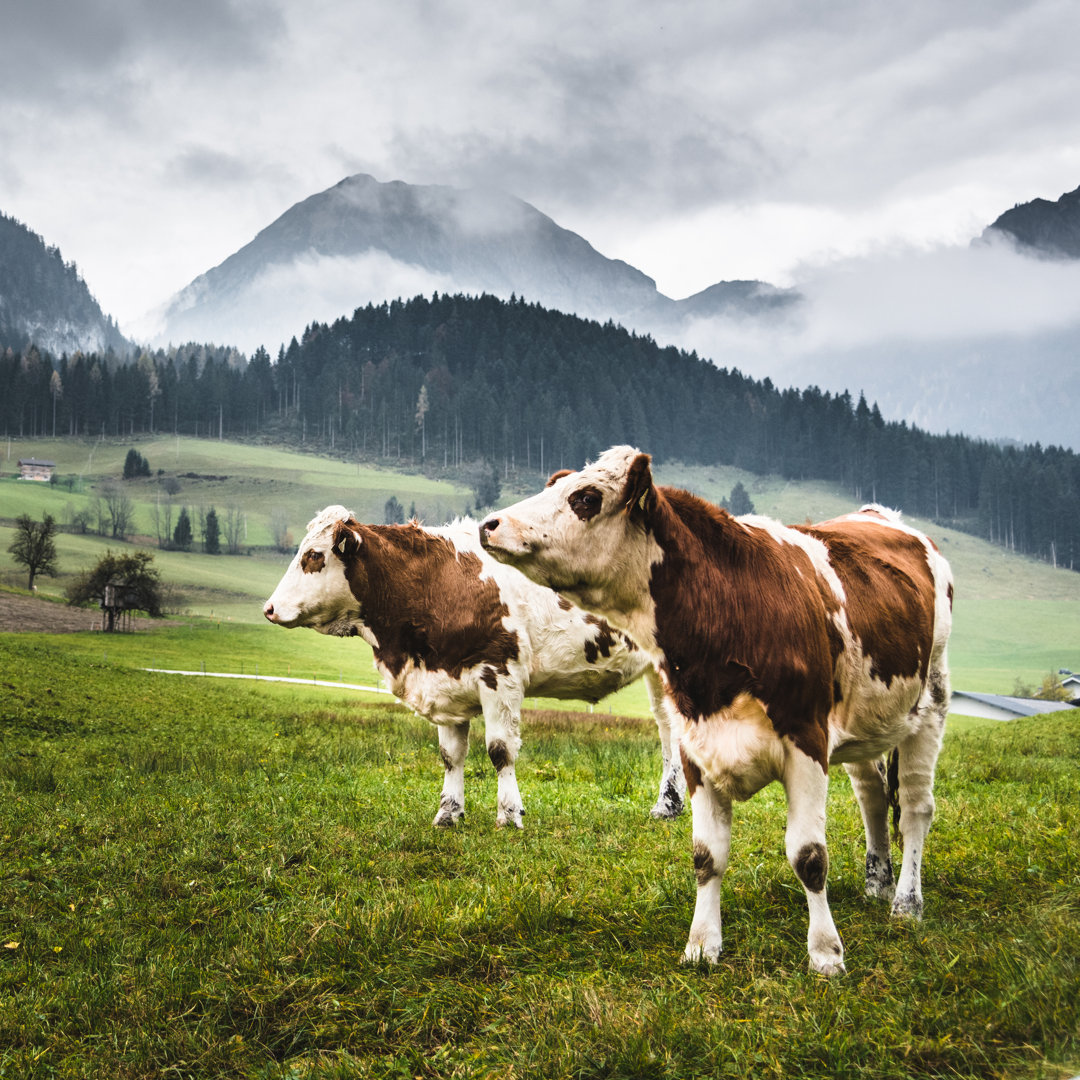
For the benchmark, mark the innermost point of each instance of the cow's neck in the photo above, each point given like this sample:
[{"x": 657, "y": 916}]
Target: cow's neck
[{"x": 698, "y": 588}]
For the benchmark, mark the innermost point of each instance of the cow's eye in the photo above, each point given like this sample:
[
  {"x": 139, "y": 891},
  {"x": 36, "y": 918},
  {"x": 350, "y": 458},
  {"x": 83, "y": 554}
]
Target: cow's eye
[
  {"x": 586, "y": 503},
  {"x": 312, "y": 561}
]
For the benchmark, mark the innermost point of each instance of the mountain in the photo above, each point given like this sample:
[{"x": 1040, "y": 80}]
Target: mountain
[
  {"x": 978, "y": 339},
  {"x": 44, "y": 300},
  {"x": 1044, "y": 227},
  {"x": 364, "y": 241}
]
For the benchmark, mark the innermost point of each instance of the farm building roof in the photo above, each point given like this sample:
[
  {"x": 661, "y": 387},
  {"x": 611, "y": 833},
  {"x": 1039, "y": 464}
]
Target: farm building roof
[{"x": 1015, "y": 706}]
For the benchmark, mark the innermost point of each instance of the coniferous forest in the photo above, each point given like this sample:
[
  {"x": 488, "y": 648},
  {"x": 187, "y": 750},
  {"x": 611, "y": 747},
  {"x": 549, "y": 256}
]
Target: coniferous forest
[{"x": 442, "y": 382}]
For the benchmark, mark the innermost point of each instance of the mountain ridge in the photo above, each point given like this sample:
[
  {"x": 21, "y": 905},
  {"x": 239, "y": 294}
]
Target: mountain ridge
[
  {"x": 468, "y": 240},
  {"x": 45, "y": 302},
  {"x": 1043, "y": 227}
]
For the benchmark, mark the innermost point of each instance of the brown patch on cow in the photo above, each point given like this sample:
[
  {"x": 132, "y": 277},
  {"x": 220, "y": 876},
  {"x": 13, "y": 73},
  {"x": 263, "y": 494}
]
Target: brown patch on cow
[
  {"x": 447, "y": 762},
  {"x": 555, "y": 476},
  {"x": 739, "y": 612},
  {"x": 950, "y": 595},
  {"x": 889, "y": 594},
  {"x": 312, "y": 562},
  {"x": 426, "y": 603},
  {"x": 490, "y": 678},
  {"x": 586, "y": 502},
  {"x": 602, "y": 643},
  {"x": 565, "y": 604},
  {"x": 812, "y": 866},
  {"x": 499, "y": 754},
  {"x": 704, "y": 869},
  {"x": 691, "y": 772}
]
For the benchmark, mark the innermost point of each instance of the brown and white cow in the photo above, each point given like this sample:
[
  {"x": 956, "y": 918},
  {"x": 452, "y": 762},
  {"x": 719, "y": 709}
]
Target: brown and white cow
[
  {"x": 783, "y": 650},
  {"x": 456, "y": 634}
]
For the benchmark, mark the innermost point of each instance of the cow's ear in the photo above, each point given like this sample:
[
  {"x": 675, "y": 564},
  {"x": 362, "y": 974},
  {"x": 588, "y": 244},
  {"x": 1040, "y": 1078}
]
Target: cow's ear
[
  {"x": 557, "y": 476},
  {"x": 639, "y": 494},
  {"x": 346, "y": 538}
]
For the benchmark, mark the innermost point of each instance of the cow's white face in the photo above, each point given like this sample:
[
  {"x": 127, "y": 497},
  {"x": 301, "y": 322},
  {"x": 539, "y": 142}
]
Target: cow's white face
[
  {"x": 585, "y": 536},
  {"x": 314, "y": 591}
]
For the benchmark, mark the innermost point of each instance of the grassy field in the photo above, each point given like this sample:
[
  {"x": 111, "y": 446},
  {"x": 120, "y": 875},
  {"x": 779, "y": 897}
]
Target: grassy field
[
  {"x": 1015, "y": 618},
  {"x": 240, "y": 880}
]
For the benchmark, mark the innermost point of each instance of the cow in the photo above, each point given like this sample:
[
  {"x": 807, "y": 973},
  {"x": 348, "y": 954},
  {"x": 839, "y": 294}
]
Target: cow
[
  {"x": 782, "y": 649},
  {"x": 456, "y": 634}
]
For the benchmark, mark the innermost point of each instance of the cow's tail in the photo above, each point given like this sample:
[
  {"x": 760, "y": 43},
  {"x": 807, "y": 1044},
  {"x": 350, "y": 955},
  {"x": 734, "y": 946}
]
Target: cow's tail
[{"x": 892, "y": 789}]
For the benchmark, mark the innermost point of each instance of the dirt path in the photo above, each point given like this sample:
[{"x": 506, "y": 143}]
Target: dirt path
[{"x": 45, "y": 617}]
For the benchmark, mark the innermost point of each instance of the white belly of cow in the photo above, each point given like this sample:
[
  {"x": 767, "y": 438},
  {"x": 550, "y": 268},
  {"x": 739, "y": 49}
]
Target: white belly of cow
[
  {"x": 442, "y": 698},
  {"x": 868, "y": 723},
  {"x": 737, "y": 749}
]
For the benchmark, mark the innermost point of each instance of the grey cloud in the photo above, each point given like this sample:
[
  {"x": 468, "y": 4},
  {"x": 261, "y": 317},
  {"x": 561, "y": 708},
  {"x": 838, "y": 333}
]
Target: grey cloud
[
  {"x": 204, "y": 165},
  {"x": 98, "y": 51}
]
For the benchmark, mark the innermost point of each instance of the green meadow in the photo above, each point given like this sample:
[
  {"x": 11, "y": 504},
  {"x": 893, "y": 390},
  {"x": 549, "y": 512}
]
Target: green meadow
[
  {"x": 204, "y": 878},
  {"x": 207, "y": 877}
]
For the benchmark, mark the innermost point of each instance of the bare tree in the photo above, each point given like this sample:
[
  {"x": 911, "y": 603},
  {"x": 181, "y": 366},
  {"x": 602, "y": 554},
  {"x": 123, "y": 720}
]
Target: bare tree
[
  {"x": 235, "y": 525},
  {"x": 279, "y": 528},
  {"x": 119, "y": 508},
  {"x": 99, "y": 514}
]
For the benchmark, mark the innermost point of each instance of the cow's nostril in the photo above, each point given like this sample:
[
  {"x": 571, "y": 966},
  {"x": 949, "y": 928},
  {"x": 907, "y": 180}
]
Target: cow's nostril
[
  {"x": 490, "y": 525},
  {"x": 268, "y": 611}
]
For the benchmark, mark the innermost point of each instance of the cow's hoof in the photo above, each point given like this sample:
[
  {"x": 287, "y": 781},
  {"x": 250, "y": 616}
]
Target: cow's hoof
[
  {"x": 666, "y": 811},
  {"x": 450, "y": 813},
  {"x": 511, "y": 818},
  {"x": 907, "y": 906},
  {"x": 704, "y": 951},
  {"x": 828, "y": 967}
]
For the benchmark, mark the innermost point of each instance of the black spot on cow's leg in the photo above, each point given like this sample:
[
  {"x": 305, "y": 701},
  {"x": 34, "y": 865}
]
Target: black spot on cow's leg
[
  {"x": 447, "y": 763},
  {"x": 499, "y": 754},
  {"x": 879, "y": 876},
  {"x": 704, "y": 870},
  {"x": 670, "y": 803},
  {"x": 812, "y": 866}
]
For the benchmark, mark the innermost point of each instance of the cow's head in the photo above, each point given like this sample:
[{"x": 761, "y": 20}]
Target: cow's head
[
  {"x": 315, "y": 590},
  {"x": 587, "y": 535}
]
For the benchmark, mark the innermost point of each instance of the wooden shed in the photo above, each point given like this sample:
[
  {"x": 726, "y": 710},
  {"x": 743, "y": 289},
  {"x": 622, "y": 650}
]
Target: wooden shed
[{"x": 35, "y": 469}]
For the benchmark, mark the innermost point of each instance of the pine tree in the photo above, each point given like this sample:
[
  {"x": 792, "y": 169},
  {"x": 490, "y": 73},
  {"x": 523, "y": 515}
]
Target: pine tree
[
  {"x": 212, "y": 533},
  {"x": 183, "y": 534}
]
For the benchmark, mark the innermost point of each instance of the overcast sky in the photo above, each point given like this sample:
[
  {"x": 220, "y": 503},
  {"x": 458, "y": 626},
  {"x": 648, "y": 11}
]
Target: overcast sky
[{"x": 698, "y": 141}]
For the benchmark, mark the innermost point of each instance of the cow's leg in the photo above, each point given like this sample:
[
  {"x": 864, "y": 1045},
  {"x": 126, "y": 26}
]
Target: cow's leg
[
  {"x": 453, "y": 746},
  {"x": 711, "y": 812},
  {"x": 669, "y": 801},
  {"x": 871, "y": 789},
  {"x": 807, "y": 784},
  {"x": 917, "y": 759},
  {"x": 502, "y": 720}
]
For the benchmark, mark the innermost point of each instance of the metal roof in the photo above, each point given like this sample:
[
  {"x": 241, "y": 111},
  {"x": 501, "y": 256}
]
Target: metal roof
[{"x": 1019, "y": 706}]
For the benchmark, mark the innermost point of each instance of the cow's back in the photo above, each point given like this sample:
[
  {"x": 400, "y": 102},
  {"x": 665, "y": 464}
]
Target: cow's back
[{"x": 897, "y": 609}]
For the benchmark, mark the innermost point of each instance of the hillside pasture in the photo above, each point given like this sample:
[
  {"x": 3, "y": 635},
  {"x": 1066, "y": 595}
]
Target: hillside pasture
[
  {"x": 1015, "y": 617},
  {"x": 241, "y": 880},
  {"x": 257, "y": 479}
]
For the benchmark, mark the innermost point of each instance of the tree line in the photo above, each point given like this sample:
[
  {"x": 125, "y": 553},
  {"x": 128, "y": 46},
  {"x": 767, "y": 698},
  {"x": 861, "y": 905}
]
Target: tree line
[{"x": 450, "y": 381}]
